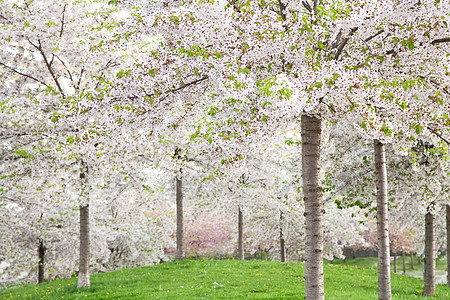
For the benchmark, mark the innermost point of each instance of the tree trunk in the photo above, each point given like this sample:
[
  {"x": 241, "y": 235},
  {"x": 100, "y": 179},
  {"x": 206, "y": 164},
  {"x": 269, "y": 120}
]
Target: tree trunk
[
  {"x": 418, "y": 259},
  {"x": 412, "y": 260},
  {"x": 240, "y": 254},
  {"x": 384, "y": 274},
  {"x": 311, "y": 134},
  {"x": 429, "y": 286},
  {"x": 282, "y": 244},
  {"x": 83, "y": 274},
  {"x": 180, "y": 222},
  {"x": 41, "y": 254},
  {"x": 447, "y": 208},
  {"x": 404, "y": 262},
  {"x": 395, "y": 262}
]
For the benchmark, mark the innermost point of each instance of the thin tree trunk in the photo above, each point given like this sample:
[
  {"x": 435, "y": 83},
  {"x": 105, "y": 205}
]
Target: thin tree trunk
[
  {"x": 180, "y": 222},
  {"x": 83, "y": 275},
  {"x": 395, "y": 262},
  {"x": 418, "y": 259},
  {"x": 41, "y": 254},
  {"x": 384, "y": 274},
  {"x": 429, "y": 286},
  {"x": 240, "y": 254},
  {"x": 404, "y": 262},
  {"x": 412, "y": 260},
  {"x": 282, "y": 243},
  {"x": 311, "y": 134},
  {"x": 447, "y": 209}
]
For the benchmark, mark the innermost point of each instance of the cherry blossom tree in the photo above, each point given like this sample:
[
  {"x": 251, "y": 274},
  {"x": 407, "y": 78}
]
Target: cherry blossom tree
[{"x": 48, "y": 56}]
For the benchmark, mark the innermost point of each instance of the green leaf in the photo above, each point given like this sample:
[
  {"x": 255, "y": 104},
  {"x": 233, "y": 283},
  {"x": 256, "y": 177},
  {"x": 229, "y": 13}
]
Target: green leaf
[
  {"x": 386, "y": 130},
  {"x": 364, "y": 125},
  {"x": 193, "y": 136},
  {"x": 70, "y": 140},
  {"x": 318, "y": 84},
  {"x": 418, "y": 129},
  {"x": 321, "y": 45},
  {"x": 410, "y": 44},
  {"x": 23, "y": 153}
]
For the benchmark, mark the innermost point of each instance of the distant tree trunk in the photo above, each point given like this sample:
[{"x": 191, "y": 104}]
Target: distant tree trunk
[
  {"x": 384, "y": 274},
  {"x": 412, "y": 260},
  {"x": 404, "y": 262},
  {"x": 180, "y": 221},
  {"x": 83, "y": 275},
  {"x": 447, "y": 209},
  {"x": 41, "y": 254},
  {"x": 429, "y": 286},
  {"x": 240, "y": 254},
  {"x": 282, "y": 243},
  {"x": 395, "y": 262},
  {"x": 418, "y": 259},
  {"x": 311, "y": 128}
]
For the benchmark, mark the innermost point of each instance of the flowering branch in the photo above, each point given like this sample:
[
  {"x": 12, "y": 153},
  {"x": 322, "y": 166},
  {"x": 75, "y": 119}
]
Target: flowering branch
[
  {"x": 23, "y": 74},
  {"x": 49, "y": 65}
]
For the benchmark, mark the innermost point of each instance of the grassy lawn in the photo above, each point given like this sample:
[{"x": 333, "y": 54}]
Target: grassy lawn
[
  {"x": 227, "y": 279},
  {"x": 369, "y": 262}
]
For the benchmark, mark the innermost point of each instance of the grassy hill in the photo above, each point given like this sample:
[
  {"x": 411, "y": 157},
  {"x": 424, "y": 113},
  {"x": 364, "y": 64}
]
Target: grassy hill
[{"x": 226, "y": 279}]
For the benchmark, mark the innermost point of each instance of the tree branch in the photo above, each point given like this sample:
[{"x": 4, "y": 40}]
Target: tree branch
[
  {"x": 438, "y": 135},
  {"x": 307, "y": 6},
  {"x": 315, "y": 7},
  {"x": 336, "y": 40},
  {"x": 49, "y": 67},
  {"x": 343, "y": 43},
  {"x": 79, "y": 79},
  {"x": 5, "y": 18},
  {"x": 23, "y": 74},
  {"x": 282, "y": 7},
  {"x": 440, "y": 41},
  {"x": 62, "y": 22},
  {"x": 190, "y": 83},
  {"x": 374, "y": 35},
  {"x": 65, "y": 66}
]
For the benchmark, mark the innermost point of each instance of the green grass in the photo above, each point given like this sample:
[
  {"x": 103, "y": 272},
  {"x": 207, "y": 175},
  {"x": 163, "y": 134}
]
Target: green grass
[
  {"x": 362, "y": 262},
  {"x": 227, "y": 279},
  {"x": 371, "y": 262}
]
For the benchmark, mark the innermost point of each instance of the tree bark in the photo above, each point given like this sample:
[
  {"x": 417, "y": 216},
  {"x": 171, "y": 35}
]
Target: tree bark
[
  {"x": 41, "y": 254},
  {"x": 447, "y": 209},
  {"x": 83, "y": 274},
  {"x": 404, "y": 262},
  {"x": 282, "y": 242},
  {"x": 395, "y": 262},
  {"x": 384, "y": 274},
  {"x": 412, "y": 260},
  {"x": 311, "y": 134},
  {"x": 429, "y": 286},
  {"x": 240, "y": 254},
  {"x": 180, "y": 221}
]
